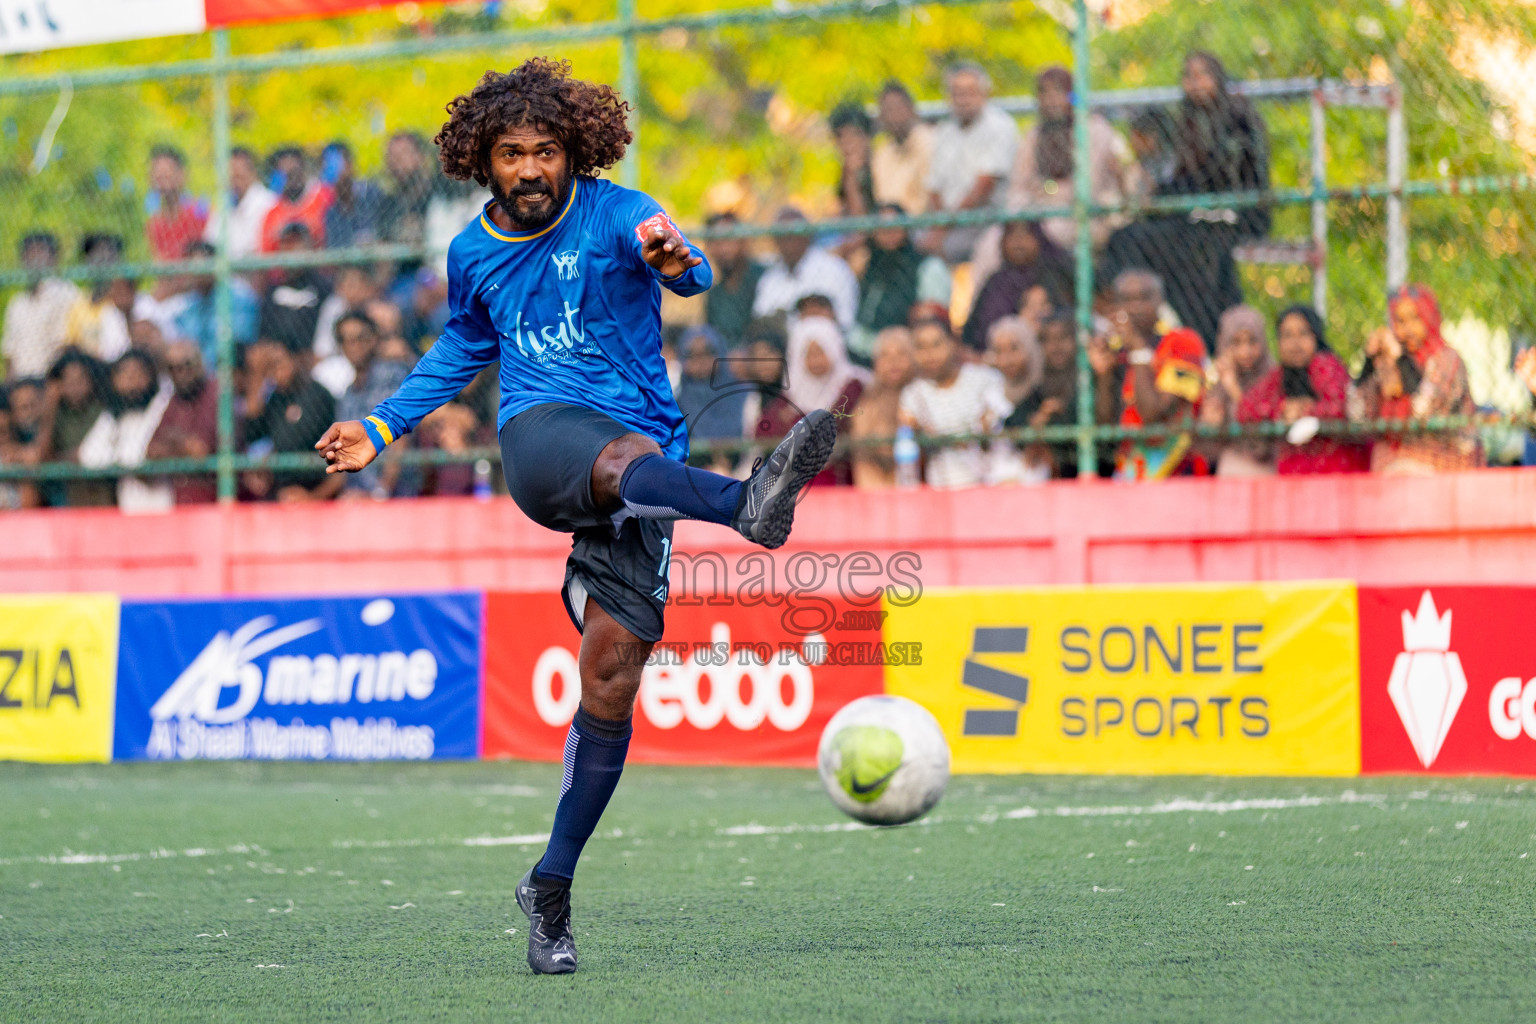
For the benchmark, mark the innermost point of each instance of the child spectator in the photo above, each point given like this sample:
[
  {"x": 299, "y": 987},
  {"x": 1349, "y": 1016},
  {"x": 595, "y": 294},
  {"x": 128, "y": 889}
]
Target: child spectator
[
  {"x": 878, "y": 413},
  {"x": 950, "y": 397}
]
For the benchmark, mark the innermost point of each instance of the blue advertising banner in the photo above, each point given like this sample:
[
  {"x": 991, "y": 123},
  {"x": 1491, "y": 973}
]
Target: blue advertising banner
[{"x": 334, "y": 678}]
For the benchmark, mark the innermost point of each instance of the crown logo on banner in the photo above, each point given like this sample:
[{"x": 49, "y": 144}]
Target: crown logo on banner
[
  {"x": 1427, "y": 684},
  {"x": 1427, "y": 630}
]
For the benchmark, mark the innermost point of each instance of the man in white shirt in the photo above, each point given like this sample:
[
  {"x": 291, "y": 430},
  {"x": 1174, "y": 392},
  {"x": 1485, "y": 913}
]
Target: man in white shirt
[
  {"x": 952, "y": 397},
  {"x": 973, "y": 152},
  {"x": 36, "y": 318},
  {"x": 802, "y": 270},
  {"x": 899, "y": 166},
  {"x": 252, "y": 200}
]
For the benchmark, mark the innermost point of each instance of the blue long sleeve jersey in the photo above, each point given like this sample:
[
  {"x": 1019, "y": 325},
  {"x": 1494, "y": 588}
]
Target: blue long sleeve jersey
[{"x": 572, "y": 311}]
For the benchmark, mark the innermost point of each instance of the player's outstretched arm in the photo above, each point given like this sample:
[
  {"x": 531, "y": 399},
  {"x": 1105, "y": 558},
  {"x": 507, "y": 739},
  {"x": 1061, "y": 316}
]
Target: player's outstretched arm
[{"x": 346, "y": 447}]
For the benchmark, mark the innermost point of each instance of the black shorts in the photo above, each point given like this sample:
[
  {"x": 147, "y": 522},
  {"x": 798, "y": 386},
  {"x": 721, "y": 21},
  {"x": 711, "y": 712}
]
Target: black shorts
[{"x": 547, "y": 454}]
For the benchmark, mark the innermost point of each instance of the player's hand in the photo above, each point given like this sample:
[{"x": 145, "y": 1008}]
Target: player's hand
[
  {"x": 346, "y": 447},
  {"x": 667, "y": 253}
]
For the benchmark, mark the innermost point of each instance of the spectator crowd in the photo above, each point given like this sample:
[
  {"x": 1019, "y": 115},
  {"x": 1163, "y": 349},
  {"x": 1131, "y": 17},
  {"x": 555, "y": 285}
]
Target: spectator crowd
[{"x": 958, "y": 334}]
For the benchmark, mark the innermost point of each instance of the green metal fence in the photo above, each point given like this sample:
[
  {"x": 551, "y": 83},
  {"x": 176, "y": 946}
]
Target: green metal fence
[{"x": 1347, "y": 227}]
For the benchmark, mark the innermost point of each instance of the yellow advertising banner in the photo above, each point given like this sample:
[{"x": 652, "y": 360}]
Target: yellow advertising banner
[
  {"x": 1240, "y": 679},
  {"x": 58, "y": 676}
]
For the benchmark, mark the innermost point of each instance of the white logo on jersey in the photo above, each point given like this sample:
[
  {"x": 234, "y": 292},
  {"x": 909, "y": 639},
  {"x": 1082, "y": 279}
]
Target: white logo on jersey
[{"x": 565, "y": 263}]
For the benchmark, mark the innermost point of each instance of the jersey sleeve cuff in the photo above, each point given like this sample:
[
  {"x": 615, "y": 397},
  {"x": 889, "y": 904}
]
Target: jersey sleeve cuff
[{"x": 378, "y": 432}]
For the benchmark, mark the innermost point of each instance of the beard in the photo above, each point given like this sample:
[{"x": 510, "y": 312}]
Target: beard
[{"x": 531, "y": 217}]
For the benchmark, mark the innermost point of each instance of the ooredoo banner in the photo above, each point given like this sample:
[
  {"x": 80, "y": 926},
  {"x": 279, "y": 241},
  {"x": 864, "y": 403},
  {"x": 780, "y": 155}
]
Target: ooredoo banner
[
  {"x": 340, "y": 678},
  {"x": 58, "y": 658},
  {"x": 731, "y": 683},
  {"x": 1448, "y": 680},
  {"x": 1226, "y": 679}
]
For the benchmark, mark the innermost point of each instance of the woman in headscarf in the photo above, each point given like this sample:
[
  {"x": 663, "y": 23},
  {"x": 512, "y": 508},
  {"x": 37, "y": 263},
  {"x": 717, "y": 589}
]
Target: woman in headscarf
[
  {"x": 709, "y": 395},
  {"x": 1311, "y": 381},
  {"x": 1012, "y": 350},
  {"x": 818, "y": 375},
  {"x": 1411, "y": 373},
  {"x": 878, "y": 413},
  {"x": 1242, "y": 361},
  {"x": 1029, "y": 258}
]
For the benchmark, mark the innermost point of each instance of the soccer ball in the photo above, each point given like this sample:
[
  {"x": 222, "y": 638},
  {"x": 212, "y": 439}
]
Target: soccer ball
[{"x": 883, "y": 760}]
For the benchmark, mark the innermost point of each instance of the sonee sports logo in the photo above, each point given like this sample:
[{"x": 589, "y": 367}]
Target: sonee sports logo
[{"x": 1009, "y": 685}]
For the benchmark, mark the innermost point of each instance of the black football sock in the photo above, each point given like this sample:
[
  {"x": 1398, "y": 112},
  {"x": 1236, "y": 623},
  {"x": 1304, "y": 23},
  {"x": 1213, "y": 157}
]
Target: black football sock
[
  {"x": 656, "y": 487},
  {"x": 594, "y": 758}
]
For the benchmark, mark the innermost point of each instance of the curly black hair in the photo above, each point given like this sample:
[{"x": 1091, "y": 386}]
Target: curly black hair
[{"x": 587, "y": 118}]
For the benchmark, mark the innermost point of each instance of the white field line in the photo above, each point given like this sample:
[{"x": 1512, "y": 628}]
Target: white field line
[
  {"x": 68, "y": 857},
  {"x": 1178, "y": 805}
]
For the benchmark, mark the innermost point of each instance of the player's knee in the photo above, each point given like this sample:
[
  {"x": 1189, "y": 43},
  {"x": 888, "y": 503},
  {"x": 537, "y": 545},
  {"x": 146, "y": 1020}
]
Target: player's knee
[
  {"x": 609, "y": 688},
  {"x": 608, "y": 470}
]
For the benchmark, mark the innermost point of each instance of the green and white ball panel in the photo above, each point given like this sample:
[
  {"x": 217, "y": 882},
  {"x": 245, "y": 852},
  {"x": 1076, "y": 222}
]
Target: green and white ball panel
[{"x": 884, "y": 760}]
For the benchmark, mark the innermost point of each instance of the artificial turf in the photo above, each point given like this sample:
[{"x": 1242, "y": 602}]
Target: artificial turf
[{"x": 301, "y": 892}]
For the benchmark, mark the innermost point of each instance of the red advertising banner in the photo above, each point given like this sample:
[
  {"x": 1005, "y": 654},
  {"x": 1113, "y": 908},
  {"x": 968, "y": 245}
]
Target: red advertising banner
[
  {"x": 1447, "y": 680},
  {"x": 234, "y": 12},
  {"x": 731, "y": 683}
]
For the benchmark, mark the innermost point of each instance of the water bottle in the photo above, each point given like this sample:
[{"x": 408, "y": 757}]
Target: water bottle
[
  {"x": 482, "y": 479},
  {"x": 906, "y": 453}
]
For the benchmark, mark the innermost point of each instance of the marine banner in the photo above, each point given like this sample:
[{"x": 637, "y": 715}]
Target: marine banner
[
  {"x": 1447, "y": 680},
  {"x": 735, "y": 682},
  {"x": 58, "y": 660},
  {"x": 340, "y": 678},
  {"x": 1249, "y": 679}
]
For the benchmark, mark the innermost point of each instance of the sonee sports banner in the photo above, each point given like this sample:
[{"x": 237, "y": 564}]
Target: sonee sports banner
[
  {"x": 58, "y": 661},
  {"x": 1223, "y": 679},
  {"x": 1448, "y": 680},
  {"x": 353, "y": 679}
]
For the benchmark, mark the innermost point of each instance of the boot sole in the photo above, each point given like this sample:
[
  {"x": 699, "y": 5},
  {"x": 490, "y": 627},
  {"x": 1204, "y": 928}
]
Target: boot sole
[{"x": 778, "y": 515}]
